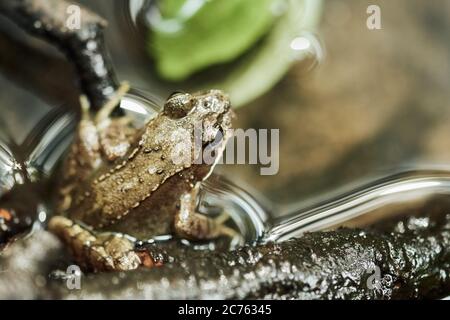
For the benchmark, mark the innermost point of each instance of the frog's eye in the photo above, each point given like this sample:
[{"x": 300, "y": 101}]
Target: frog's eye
[
  {"x": 178, "y": 105},
  {"x": 175, "y": 93}
]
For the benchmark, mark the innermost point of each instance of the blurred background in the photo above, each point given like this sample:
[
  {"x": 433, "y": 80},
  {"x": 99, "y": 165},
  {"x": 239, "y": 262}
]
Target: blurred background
[{"x": 351, "y": 103}]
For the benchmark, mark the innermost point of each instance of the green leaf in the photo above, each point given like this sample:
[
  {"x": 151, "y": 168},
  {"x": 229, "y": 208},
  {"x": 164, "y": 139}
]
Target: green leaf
[{"x": 190, "y": 37}]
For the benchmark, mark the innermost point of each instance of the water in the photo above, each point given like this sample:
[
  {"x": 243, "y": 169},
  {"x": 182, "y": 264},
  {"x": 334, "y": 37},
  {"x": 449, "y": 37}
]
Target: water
[
  {"x": 25, "y": 173},
  {"x": 307, "y": 50},
  {"x": 27, "y": 170},
  {"x": 245, "y": 79},
  {"x": 367, "y": 204}
]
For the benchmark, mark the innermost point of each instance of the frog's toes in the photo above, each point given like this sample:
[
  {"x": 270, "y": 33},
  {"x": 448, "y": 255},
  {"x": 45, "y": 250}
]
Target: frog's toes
[
  {"x": 116, "y": 138},
  {"x": 223, "y": 229},
  {"x": 196, "y": 226},
  {"x": 120, "y": 250},
  {"x": 102, "y": 252},
  {"x": 105, "y": 112}
]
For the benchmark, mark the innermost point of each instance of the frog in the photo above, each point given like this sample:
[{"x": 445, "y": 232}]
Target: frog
[{"x": 120, "y": 185}]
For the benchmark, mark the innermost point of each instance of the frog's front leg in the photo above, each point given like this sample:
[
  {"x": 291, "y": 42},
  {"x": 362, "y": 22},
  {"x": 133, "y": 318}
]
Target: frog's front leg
[
  {"x": 192, "y": 225},
  {"x": 96, "y": 252},
  {"x": 115, "y": 134},
  {"x": 96, "y": 139}
]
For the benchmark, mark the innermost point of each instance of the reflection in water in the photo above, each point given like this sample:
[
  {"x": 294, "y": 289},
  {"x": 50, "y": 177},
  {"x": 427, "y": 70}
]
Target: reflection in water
[
  {"x": 24, "y": 170},
  {"x": 7, "y": 164},
  {"x": 155, "y": 20},
  {"x": 307, "y": 50},
  {"x": 245, "y": 78},
  {"x": 364, "y": 205}
]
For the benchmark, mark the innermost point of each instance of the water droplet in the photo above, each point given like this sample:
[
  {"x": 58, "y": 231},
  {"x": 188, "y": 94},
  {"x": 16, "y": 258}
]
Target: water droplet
[
  {"x": 134, "y": 206},
  {"x": 120, "y": 180}
]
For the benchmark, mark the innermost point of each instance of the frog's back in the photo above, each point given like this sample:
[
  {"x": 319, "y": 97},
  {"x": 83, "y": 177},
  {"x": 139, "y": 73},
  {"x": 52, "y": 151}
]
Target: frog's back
[{"x": 155, "y": 216}]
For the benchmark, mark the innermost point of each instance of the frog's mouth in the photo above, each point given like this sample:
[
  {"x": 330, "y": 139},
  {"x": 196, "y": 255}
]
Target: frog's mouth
[{"x": 215, "y": 147}]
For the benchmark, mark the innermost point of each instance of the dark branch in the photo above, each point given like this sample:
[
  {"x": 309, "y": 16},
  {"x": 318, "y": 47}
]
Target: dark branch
[{"x": 84, "y": 47}]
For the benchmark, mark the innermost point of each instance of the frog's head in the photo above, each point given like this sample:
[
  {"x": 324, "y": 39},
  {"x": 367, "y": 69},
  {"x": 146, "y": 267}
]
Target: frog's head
[
  {"x": 208, "y": 110},
  {"x": 203, "y": 104}
]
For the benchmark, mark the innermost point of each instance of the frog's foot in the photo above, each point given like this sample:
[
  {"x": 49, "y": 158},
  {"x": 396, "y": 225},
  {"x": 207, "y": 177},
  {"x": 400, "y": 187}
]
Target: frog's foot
[
  {"x": 96, "y": 252},
  {"x": 224, "y": 230},
  {"x": 115, "y": 134},
  {"x": 196, "y": 226},
  {"x": 192, "y": 225},
  {"x": 105, "y": 112},
  {"x": 116, "y": 138}
]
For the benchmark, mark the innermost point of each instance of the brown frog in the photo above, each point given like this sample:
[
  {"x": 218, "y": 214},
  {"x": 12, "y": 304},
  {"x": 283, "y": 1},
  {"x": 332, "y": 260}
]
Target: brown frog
[{"x": 120, "y": 184}]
